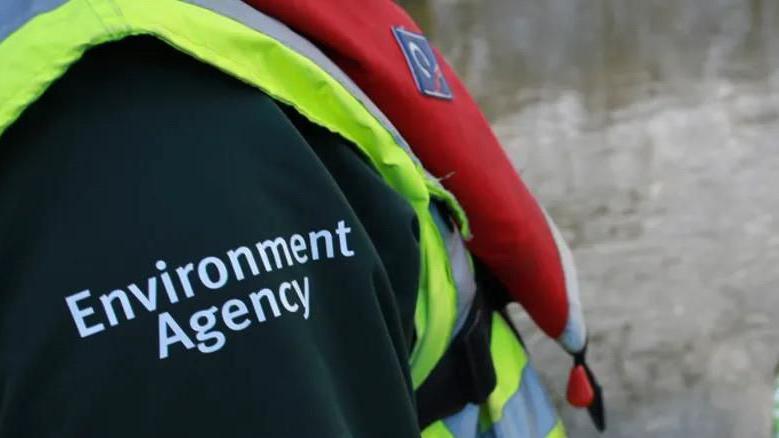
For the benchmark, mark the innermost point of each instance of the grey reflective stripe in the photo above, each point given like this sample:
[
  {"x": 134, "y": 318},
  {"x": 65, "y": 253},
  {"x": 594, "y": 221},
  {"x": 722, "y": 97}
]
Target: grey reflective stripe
[
  {"x": 528, "y": 414},
  {"x": 14, "y": 13},
  {"x": 463, "y": 274},
  {"x": 464, "y": 424},
  {"x": 245, "y": 14},
  {"x": 463, "y": 277}
]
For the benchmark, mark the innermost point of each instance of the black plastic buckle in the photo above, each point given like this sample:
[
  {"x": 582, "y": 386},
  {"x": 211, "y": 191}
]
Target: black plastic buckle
[{"x": 475, "y": 343}]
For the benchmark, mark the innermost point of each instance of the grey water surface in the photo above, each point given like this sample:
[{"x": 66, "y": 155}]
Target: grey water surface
[{"x": 650, "y": 130}]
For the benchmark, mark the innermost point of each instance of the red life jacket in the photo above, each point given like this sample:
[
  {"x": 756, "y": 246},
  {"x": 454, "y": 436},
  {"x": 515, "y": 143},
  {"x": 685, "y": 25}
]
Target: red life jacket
[{"x": 512, "y": 235}]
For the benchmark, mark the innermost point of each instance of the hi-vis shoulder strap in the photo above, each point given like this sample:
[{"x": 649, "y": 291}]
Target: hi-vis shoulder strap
[{"x": 41, "y": 39}]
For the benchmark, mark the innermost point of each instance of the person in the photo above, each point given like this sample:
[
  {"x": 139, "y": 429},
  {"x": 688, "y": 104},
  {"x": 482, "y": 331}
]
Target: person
[
  {"x": 227, "y": 240},
  {"x": 131, "y": 171}
]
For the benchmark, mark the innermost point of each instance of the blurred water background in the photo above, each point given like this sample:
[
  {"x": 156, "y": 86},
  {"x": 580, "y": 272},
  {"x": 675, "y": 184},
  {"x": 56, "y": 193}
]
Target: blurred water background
[{"x": 650, "y": 131}]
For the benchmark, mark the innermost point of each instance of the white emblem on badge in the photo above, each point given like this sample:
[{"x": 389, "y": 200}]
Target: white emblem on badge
[{"x": 423, "y": 64}]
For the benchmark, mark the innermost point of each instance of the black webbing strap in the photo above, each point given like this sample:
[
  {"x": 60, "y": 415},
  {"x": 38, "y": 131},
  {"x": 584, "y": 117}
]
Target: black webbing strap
[
  {"x": 596, "y": 409},
  {"x": 465, "y": 374}
]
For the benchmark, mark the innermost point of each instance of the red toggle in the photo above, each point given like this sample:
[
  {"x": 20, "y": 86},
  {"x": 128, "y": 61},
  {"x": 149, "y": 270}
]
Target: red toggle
[{"x": 580, "y": 392}]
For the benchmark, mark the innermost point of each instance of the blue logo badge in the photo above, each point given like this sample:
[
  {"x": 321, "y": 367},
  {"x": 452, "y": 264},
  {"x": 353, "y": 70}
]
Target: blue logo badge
[{"x": 422, "y": 62}]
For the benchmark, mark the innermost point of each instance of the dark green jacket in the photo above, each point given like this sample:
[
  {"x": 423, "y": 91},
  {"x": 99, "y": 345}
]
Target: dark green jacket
[{"x": 156, "y": 202}]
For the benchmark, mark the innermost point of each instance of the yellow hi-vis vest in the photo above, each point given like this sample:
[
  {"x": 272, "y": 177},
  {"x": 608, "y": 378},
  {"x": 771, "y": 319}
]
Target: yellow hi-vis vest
[{"x": 41, "y": 39}]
